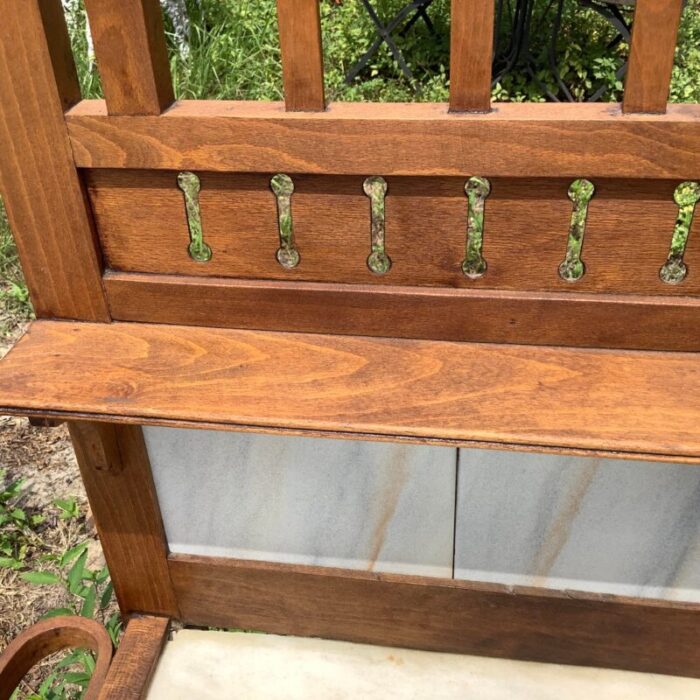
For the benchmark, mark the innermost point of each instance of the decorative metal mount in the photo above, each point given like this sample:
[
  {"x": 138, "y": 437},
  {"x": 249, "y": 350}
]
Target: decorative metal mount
[
  {"x": 190, "y": 185},
  {"x": 580, "y": 193},
  {"x": 287, "y": 254},
  {"x": 686, "y": 196},
  {"x": 378, "y": 261},
  {"x": 477, "y": 190}
]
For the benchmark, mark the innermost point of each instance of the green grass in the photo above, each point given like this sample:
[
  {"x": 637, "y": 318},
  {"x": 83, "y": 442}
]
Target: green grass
[{"x": 235, "y": 55}]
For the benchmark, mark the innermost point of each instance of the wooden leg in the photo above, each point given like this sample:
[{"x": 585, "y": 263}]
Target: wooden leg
[
  {"x": 136, "y": 659},
  {"x": 116, "y": 471}
]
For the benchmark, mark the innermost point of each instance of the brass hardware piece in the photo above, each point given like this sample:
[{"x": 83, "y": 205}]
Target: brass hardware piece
[
  {"x": 686, "y": 196},
  {"x": 190, "y": 185},
  {"x": 287, "y": 254},
  {"x": 580, "y": 193},
  {"x": 378, "y": 261},
  {"x": 477, "y": 190}
]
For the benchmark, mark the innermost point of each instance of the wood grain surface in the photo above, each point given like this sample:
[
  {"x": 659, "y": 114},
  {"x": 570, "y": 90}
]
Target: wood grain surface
[
  {"x": 471, "y": 55},
  {"x": 589, "y": 399},
  {"x": 143, "y": 228},
  {"x": 45, "y": 201},
  {"x": 302, "y": 54},
  {"x": 654, "y": 37},
  {"x": 632, "y": 322},
  {"x": 132, "y": 55},
  {"x": 116, "y": 472},
  {"x": 514, "y": 140},
  {"x": 440, "y": 615},
  {"x": 136, "y": 659}
]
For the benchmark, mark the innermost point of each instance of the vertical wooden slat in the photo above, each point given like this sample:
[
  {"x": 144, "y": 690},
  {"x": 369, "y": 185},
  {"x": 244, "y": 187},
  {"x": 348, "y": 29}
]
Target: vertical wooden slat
[
  {"x": 302, "y": 55},
  {"x": 471, "y": 55},
  {"x": 654, "y": 36},
  {"x": 60, "y": 51},
  {"x": 43, "y": 193},
  {"x": 132, "y": 55},
  {"x": 117, "y": 475}
]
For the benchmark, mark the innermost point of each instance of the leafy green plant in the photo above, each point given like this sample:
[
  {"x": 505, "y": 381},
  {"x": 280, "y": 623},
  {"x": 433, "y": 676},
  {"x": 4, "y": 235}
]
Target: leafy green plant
[
  {"x": 92, "y": 594},
  {"x": 16, "y": 526},
  {"x": 89, "y": 591}
]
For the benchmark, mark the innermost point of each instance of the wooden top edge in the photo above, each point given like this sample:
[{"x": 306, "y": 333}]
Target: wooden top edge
[
  {"x": 570, "y": 398},
  {"x": 420, "y": 111},
  {"x": 59, "y": 417}
]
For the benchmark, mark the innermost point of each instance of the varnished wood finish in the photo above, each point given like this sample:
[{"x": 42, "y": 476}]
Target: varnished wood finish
[
  {"x": 302, "y": 54},
  {"x": 58, "y": 41},
  {"x": 116, "y": 472},
  {"x": 654, "y": 36},
  {"x": 471, "y": 53},
  {"x": 142, "y": 227},
  {"x": 43, "y": 194},
  {"x": 582, "y": 399},
  {"x": 631, "y": 322},
  {"x": 136, "y": 659},
  {"x": 440, "y": 614},
  {"x": 514, "y": 140},
  {"x": 49, "y": 636},
  {"x": 132, "y": 55}
]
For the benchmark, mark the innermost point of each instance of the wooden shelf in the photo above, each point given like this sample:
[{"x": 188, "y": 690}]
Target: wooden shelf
[{"x": 605, "y": 401}]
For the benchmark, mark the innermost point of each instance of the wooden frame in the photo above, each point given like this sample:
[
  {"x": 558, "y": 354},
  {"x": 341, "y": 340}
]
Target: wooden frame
[{"x": 55, "y": 150}]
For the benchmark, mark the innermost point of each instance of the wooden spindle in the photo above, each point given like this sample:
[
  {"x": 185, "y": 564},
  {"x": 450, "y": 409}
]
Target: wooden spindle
[
  {"x": 45, "y": 201},
  {"x": 471, "y": 55},
  {"x": 302, "y": 55},
  {"x": 132, "y": 55},
  {"x": 654, "y": 36}
]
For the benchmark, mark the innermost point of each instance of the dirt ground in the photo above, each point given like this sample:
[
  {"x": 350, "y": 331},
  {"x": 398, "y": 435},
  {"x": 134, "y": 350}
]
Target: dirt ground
[{"x": 44, "y": 459}]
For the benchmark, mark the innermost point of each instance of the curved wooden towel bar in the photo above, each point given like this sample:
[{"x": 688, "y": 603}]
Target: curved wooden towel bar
[{"x": 49, "y": 636}]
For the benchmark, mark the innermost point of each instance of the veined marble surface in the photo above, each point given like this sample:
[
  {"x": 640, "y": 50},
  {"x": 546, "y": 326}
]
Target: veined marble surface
[
  {"x": 345, "y": 503},
  {"x": 610, "y": 526},
  {"x": 223, "y": 665}
]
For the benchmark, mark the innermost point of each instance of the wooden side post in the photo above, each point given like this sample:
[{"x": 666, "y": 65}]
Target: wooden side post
[
  {"x": 654, "y": 36},
  {"x": 471, "y": 55},
  {"x": 43, "y": 193},
  {"x": 116, "y": 472},
  {"x": 302, "y": 55},
  {"x": 132, "y": 55}
]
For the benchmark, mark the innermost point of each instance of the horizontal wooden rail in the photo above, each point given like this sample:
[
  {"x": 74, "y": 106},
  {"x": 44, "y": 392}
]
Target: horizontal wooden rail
[
  {"x": 517, "y": 140},
  {"x": 601, "y": 400},
  {"x": 440, "y": 614},
  {"x": 584, "y": 320}
]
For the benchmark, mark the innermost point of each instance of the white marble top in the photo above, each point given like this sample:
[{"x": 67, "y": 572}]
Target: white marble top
[{"x": 222, "y": 665}]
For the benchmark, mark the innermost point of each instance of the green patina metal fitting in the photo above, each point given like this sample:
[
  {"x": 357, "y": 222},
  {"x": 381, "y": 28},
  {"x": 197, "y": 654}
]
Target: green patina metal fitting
[
  {"x": 686, "y": 196},
  {"x": 580, "y": 193},
  {"x": 477, "y": 190},
  {"x": 190, "y": 185},
  {"x": 378, "y": 261},
  {"x": 287, "y": 254}
]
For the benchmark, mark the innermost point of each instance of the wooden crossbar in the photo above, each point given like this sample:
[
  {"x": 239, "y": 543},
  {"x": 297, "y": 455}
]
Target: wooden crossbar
[{"x": 515, "y": 140}]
